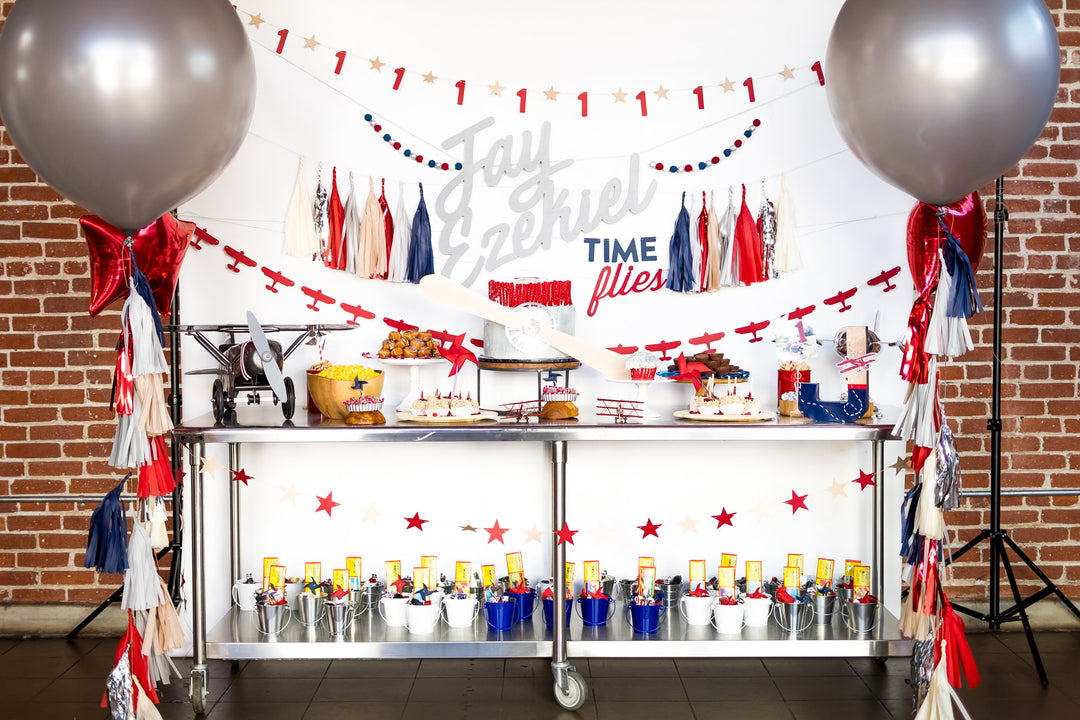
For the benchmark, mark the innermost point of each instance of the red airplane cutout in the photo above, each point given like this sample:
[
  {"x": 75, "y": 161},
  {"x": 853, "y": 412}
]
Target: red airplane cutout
[
  {"x": 800, "y": 312},
  {"x": 663, "y": 346},
  {"x": 357, "y": 312},
  {"x": 239, "y": 258},
  {"x": 707, "y": 339},
  {"x": 445, "y": 337},
  {"x": 753, "y": 328},
  {"x": 399, "y": 325},
  {"x": 477, "y": 342},
  {"x": 317, "y": 296},
  {"x": 201, "y": 234},
  {"x": 885, "y": 276},
  {"x": 275, "y": 278},
  {"x": 841, "y": 298},
  {"x": 624, "y": 349}
]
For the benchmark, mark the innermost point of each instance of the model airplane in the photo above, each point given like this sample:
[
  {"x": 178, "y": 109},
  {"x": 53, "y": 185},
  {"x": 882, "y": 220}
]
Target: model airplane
[{"x": 252, "y": 365}]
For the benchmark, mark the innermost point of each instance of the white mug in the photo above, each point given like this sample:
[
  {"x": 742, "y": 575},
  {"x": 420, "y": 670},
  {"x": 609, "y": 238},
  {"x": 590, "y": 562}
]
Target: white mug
[
  {"x": 728, "y": 619},
  {"x": 392, "y": 611},
  {"x": 756, "y": 611},
  {"x": 695, "y": 610},
  {"x": 422, "y": 619},
  {"x": 461, "y": 612},
  {"x": 243, "y": 594}
]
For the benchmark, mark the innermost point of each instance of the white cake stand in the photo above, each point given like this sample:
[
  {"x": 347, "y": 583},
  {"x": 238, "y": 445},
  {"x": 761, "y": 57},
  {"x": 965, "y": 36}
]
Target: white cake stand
[
  {"x": 414, "y": 365},
  {"x": 643, "y": 395}
]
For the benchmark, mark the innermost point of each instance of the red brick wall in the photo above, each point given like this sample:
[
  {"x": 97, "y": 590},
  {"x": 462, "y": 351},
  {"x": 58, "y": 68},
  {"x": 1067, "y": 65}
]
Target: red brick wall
[{"x": 55, "y": 371}]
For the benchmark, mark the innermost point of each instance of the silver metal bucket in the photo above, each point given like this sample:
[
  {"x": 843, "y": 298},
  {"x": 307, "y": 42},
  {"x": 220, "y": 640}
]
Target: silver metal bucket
[
  {"x": 672, "y": 593},
  {"x": 824, "y": 609},
  {"x": 626, "y": 590},
  {"x": 269, "y": 618},
  {"x": 860, "y": 617},
  {"x": 307, "y": 607},
  {"x": 478, "y": 593},
  {"x": 608, "y": 587},
  {"x": 338, "y": 618},
  {"x": 793, "y": 617}
]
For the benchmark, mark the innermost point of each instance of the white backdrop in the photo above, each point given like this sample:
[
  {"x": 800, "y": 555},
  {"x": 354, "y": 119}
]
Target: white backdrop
[{"x": 851, "y": 227}]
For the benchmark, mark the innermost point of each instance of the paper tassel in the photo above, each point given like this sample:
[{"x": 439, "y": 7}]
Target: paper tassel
[
  {"x": 421, "y": 255},
  {"x": 747, "y": 244},
  {"x": 372, "y": 242},
  {"x": 913, "y": 362},
  {"x": 335, "y": 228},
  {"x": 766, "y": 227},
  {"x": 680, "y": 254},
  {"x": 947, "y": 478},
  {"x": 159, "y": 536},
  {"x": 951, "y": 634},
  {"x": 930, "y": 521},
  {"x": 105, "y": 550},
  {"x": 727, "y": 243},
  {"x": 398, "y": 265},
  {"x": 352, "y": 228},
  {"x": 388, "y": 229},
  {"x": 318, "y": 214},
  {"x": 118, "y": 689},
  {"x": 964, "y": 300},
  {"x": 711, "y": 277},
  {"x": 123, "y": 382},
  {"x": 154, "y": 418},
  {"x": 703, "y": 243},
  {"x": 940, "y": 697},
  {"x": 788, "y": 256},
  {"x": 918, "y": 411},
  {"x": 141, "y": 588},
  {"x": 141, "y": 322},
  {"x": 156, "y": 477},
  {"x": 140, "y": 286},
  {"x": 170, "y": 634},
  {"x": 144, "y": 708},
  {"x": 301, "y": 239},
  {"x": 131, "y": 448},
  {"x": 946, "y": 335}
]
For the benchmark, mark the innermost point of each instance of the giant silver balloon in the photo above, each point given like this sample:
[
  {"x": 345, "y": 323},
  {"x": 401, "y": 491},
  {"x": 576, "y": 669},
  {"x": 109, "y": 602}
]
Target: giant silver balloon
[
  {"x": 939, "y": 97},
  {"x": 126, "y": 107}
]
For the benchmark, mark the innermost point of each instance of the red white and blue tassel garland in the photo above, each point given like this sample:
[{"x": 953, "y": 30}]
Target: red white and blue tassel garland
[
  {"x": 398, "y": 263},
  {"x": 749, "y": 265},
  {"x": 352, "y": 227},
  {"x": 105, "y": 543},
  {"x": 701, "y": 251},
  {"x": 388, "y": 229},
  {"x": 714, "y": 256},
  {"x": 727, "y": 243},
  {"x": 335, "y": 220},
  {"x": 421, "y": 256}
]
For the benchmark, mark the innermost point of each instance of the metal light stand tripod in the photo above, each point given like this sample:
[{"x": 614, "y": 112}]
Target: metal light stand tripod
[
  {"x": 176, "y": 545},
  {"x": 999, "y": 539}
]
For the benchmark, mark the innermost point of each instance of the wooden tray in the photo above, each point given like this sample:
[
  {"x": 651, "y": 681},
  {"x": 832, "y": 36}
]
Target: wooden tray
[{"x": 760, "y": 417}]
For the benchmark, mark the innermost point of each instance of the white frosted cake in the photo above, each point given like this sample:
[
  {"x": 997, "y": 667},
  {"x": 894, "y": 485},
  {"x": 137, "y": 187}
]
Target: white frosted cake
[{"x": 547, "y": 303}]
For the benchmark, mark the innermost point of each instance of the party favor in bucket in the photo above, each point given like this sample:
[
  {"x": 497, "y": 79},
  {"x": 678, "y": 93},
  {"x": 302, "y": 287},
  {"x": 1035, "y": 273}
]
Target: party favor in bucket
[
  {"x": 646, "y": 619},
  {"x": 824, "y": 608},
  {"x": 392, "y": 611},
  {"x": 339, "y": 617},
  {"x": 596, "y": 610},
  {"x": 793, "y": 617},
  {"x": 422, "y": 619},
  {"x": 728, "y": 619},
  {"x": 696, "y": 609},
  {"x": 502, "y": 616},
  {"x": 860, "y": 616},
  {"x": 460, "y": 611},
  {"x": 308, "y": 608},
  {"x": 549, "y": 611},
  {"x": 272, "y": 619},
  {"x": 756, "y": 608},
  {"x": 525, "y": 598}
]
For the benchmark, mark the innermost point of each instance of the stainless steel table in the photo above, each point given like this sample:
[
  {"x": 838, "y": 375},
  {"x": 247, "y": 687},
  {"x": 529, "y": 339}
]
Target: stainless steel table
[{"x": 236, "y": 637}]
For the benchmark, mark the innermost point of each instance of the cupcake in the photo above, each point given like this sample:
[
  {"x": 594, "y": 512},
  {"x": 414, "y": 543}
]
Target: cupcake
[
  {"x": 642, "y": 365},
  {"x": 420, "y": 406},
  {"x": 460, "y": 407}
]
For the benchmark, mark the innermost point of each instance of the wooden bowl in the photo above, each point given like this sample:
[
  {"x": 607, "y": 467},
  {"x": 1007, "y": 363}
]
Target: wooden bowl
[{"x": 330, "y": 395}]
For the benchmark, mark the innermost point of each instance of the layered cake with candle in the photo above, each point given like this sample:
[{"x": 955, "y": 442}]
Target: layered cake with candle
[{"x": 541, "y": 304}]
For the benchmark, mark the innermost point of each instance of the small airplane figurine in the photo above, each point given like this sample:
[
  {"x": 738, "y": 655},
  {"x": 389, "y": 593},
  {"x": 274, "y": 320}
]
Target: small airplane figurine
[
  {"x": 252, "y": 365},
  {"x": 841, "y": 299},
  {"x": 753, "y": 328},
  {"x": 707, "y": 339}
]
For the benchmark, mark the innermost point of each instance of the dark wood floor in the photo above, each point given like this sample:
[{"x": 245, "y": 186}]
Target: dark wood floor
[{"x": 54, "y": 679}]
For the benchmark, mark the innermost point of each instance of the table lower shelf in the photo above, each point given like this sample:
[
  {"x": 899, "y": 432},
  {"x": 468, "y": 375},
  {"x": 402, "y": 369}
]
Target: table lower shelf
[{"x": 237, "y": 637}]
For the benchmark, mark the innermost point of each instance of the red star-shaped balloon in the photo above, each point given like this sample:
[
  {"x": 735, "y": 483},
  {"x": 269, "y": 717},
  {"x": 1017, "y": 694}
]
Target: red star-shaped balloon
[
  {"x": 690, "y": 371},
  {"x": 865, "y": 480},
  {"x": 159, "y": 249},
  {"x": 649, "y": 529},
  {"x": 496, "y": 533},
  {"x": 566, "y": 534},
  {"x": 415, "y": 522},
  {"x": 327, "y": 503},
  {"x": 724, "y": 518},
  {"x": 241, "y": 476},
  {"x": 797, "y": 502}
]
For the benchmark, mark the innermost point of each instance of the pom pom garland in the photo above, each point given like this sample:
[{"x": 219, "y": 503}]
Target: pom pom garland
[
  {"x": 714, "y": 160},
  {"x": 407, "y": 152}
]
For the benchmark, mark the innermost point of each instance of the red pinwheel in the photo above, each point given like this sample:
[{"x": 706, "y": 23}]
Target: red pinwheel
[
  {"x": 159, "y": 249},
  {"x": 457, "y": 354},
  {"x": 690, "y": 371}
]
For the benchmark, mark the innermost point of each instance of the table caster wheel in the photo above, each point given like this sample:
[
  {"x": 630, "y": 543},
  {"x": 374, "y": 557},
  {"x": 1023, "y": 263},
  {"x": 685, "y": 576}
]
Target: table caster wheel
[
  {"x": 577, "y": 692},
  {"x": 197, "y": 692}
]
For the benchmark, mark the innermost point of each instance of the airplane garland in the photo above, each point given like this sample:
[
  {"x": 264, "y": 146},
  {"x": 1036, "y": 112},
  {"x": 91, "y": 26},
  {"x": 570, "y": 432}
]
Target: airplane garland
[{"x": 749, "y": 330}]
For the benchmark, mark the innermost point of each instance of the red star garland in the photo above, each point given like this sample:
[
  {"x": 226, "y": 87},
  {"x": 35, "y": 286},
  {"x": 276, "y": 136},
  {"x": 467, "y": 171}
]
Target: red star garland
[
  {"x": 496, "y": 533},
  {"x": 241, "y": 476},
  {"x": 649, "y": 529},
  {"x": 415, "y": 522},
  {"x": 327, "y": 503},
  {"x": 797, "y": 502},
  {"x": 865, "y": 480},
  {"x": 566, "y": 534},
  {"x": 724, "y": 518}
]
